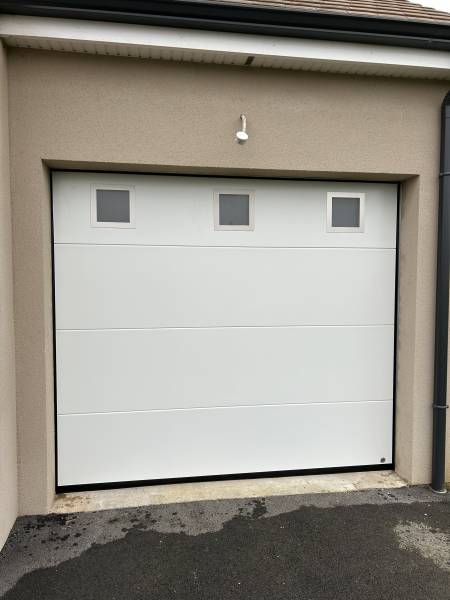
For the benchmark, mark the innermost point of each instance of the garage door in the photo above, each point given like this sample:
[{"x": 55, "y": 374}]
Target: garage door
[{"x": 212, "y": 326}]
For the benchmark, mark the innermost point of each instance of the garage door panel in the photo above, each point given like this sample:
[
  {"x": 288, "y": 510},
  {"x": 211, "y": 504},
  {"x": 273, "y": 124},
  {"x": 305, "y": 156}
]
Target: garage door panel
[
  {"x": 144, "y": 287},
  {"x": 173, "y": 444},
  {"x": 174, "y": 210},
  {"x": 106, "y": 371}
]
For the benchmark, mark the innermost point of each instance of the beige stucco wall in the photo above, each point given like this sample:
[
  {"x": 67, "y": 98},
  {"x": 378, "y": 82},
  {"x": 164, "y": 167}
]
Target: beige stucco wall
[
  {"x": 126, "y": 114},
  {"x": 8, "y": 448}
]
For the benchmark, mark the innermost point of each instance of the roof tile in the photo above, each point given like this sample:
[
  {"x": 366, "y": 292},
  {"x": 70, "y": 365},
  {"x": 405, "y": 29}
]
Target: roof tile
[{"x": 393, "y": 9}]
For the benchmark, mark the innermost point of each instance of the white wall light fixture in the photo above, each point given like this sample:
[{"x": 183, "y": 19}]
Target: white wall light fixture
[{"x": 242, "y": 135}]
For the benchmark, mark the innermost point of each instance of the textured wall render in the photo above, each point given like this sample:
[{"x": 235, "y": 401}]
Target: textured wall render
[{"x": 126, "y": 114}]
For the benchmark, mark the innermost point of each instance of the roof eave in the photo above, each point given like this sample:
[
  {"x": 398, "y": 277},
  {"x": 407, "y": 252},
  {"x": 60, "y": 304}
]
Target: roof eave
[{"x": 244, "y": 19}]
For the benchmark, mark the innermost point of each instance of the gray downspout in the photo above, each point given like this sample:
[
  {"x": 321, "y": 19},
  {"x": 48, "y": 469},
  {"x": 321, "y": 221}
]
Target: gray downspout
[{"x": 442, "y": 309}]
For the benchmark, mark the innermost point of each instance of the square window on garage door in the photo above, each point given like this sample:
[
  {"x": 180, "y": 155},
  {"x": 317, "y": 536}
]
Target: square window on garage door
[
  {"x": 112, "y": 206},
  {"x": 345, "y": 212},
  {"x": 234, "y": 210}
]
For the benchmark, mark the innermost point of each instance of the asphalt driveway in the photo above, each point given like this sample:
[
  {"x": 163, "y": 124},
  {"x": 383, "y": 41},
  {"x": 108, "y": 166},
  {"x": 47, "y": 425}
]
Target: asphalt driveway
[{"x": 357, "y": 545}]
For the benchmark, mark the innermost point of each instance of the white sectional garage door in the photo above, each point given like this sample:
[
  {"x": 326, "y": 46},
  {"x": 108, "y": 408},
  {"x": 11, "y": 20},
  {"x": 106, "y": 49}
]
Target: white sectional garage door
[{"x": 211, "y": 326}]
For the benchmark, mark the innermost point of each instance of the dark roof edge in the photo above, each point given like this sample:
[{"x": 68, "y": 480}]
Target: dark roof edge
[{"x": 244, "y": 19}]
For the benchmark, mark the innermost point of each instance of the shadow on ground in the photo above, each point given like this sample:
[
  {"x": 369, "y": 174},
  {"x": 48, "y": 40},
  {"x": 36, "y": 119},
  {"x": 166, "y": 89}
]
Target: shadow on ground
[{"x": 361, "y": 545}]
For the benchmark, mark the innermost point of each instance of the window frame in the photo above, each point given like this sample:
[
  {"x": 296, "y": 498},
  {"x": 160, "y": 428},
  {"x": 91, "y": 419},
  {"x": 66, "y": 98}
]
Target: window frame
[
  {"x": 362, "y": 212},
  {"x": 113, "y": 224},
  {"x": 251, "y": 209}
]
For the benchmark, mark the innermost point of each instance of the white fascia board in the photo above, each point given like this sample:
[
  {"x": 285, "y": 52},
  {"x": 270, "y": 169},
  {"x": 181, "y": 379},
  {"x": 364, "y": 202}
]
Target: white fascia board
[{"x": 280, "y": 50}]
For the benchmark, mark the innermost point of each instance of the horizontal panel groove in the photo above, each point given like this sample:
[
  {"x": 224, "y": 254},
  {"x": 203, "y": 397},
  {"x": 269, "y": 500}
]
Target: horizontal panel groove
[
  {"x": 206, "y": 408},
  {"x": 229, "y": 327},
  {"x": 219, "y": 246}
]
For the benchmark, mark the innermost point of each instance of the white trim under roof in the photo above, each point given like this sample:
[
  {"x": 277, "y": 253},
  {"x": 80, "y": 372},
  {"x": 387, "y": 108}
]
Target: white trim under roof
[{"x": 190, "y": 45}]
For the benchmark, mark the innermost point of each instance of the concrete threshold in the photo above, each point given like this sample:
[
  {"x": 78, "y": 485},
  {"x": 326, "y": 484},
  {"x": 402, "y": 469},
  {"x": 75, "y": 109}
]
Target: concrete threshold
[{"x": 224, "y": 490}]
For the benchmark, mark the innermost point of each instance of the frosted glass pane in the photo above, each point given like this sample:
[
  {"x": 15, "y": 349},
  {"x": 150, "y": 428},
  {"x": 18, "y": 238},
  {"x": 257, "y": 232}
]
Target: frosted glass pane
[
  {"x": 234, "y": 209},
  {"x": 113, "y": 206},
  {"x": 345, "y": 212}
]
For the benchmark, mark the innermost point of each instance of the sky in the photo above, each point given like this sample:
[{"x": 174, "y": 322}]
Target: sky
[{"x": 439, "y": 4}]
